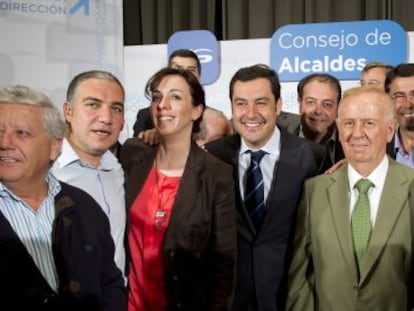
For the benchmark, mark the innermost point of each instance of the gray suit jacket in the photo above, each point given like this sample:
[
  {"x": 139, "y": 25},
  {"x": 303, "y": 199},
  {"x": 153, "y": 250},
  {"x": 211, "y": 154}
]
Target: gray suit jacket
[{"x": 323, "y": 273}]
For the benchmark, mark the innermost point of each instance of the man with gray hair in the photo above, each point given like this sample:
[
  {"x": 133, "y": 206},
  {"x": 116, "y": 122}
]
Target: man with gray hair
[
  {"x": 94, "y": 112},
  {"x": 353, "y": 240},
  {"x": 56, "y": 252}
]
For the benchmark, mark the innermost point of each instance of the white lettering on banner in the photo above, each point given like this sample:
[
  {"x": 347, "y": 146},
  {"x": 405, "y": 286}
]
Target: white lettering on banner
[
  {"x": 288, "y": 41},
  {"x": 52, "y": 9},
  {"x": 326, "y": 64},
  {"x": 374, "y": 38}
]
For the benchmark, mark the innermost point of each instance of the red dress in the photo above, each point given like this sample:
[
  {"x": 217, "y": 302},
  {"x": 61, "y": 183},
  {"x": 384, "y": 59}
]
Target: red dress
[{"x": 149, "y": 217}]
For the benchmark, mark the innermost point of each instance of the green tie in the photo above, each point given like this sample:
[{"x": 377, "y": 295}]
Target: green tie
[{"x": 361, "y": 222}]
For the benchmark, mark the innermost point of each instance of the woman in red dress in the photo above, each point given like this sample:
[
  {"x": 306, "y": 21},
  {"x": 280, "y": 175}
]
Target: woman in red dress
[{"x": 182, "y": 223}]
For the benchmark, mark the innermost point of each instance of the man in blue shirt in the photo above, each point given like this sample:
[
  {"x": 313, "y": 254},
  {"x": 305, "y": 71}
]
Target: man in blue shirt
[{"x": 94, "y": 112}]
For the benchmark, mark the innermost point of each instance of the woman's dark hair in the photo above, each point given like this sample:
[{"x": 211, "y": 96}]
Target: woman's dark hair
[{"x": 196, "y": 90}]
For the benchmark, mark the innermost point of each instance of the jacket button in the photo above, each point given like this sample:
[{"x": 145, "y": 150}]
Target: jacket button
[
  {"x": 175, "y": 278},
  {"x": 178, "y": 305},
  {"x": 171, "y": 254}
]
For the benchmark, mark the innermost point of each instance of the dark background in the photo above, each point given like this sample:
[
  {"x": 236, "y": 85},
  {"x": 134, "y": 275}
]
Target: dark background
[{"x": 153, "y": 21}]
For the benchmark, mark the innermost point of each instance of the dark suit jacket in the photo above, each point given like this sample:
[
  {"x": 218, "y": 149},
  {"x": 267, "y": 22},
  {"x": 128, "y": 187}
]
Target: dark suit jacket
[
  {"x": 144, "y": 121},
  {"x": 200, "y": 242},
  {"x": 263, "y": 256},
  {"x": 83, "y": 251},
  {"x": 291, "y": 123}
]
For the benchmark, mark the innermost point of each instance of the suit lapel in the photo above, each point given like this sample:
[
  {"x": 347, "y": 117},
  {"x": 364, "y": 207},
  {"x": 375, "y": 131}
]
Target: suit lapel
[
  {"x": 190, "y": 184},
  {"x": 138, "y": 174},
  {"x": 234, "y": 143},
  {"x": 288, "y": 161},
  {"x": 393, "y": 196},
  {"x": 339, "y": 204}
]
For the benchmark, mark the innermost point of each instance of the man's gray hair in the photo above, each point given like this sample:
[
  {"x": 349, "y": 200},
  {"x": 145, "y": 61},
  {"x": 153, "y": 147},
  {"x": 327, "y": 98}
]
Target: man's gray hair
[{"x": 52, "y": 120}]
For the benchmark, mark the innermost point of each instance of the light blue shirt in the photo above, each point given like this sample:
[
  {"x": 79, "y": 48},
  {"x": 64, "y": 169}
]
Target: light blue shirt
[
  {"x": 267, "y": 165},
  {"x": 34, "y": 227},
  {"x": 400, "y": 155},
  {"x": 105, "y": 184}
]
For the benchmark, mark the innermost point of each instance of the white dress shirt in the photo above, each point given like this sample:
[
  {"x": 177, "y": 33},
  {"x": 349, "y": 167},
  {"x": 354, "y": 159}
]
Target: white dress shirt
[
  {"x": 267, "y": 165},
  {"x": 377, "y": 177}
]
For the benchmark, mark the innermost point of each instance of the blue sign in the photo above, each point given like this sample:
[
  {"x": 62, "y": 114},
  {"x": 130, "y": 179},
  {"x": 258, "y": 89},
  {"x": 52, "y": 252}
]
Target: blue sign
[
  {"x": 340, "y": 49},
  {"x": 205, "y": 45},
  {"x": 80, "y": 5}
]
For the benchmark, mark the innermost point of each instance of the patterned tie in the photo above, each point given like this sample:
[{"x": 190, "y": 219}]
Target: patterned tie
[
  {"x": 361, "y": 222},
  {"x": 254, "y": 191}
]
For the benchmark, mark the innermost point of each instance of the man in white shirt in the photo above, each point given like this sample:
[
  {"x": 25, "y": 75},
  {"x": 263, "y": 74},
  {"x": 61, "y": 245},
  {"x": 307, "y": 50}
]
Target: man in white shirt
[
  {"x": 353, "y": 244},
  {"x": 94, "y": 112},
  {"x": 270, "y": 166}
]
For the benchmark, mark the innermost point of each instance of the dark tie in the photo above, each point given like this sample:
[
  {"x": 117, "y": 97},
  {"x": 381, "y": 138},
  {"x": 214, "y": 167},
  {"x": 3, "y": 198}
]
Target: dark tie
[
  {"x": 361, "y": 222},
  {"x": 254, "y": 191}
]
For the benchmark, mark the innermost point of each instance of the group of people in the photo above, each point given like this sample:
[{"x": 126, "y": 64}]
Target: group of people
[{"x": 199, "y": 213}]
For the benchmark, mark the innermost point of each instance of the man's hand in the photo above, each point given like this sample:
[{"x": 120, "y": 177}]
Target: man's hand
[
  {"x": 149, "y": 137},
  {"x": 334, "y": 167}
]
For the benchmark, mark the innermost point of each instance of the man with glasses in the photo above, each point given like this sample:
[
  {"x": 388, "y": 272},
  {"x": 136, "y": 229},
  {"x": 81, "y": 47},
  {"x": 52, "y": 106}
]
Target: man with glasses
[{"x": 400, "y": 85}]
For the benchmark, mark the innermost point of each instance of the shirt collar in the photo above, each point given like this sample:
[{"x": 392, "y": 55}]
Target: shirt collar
[
  {"x": 53, "y": 184},
  {"x": 68, "y": 156},
  {"x": 377, "y": 176},
  {"x": 272, "y": 146}
]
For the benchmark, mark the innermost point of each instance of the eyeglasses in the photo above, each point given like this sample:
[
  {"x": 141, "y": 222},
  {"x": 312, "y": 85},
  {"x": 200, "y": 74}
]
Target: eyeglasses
[{"x": 401, "y": 97}]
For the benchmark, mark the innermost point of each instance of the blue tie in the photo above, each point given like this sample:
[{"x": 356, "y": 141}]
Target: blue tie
[{"x": 254, "y": 191}]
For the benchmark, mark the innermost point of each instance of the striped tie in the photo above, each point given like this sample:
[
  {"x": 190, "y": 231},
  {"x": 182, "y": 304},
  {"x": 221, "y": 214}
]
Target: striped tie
[
  {"x": 361, "y": 223},
  {"x": 254, "y": 191}
]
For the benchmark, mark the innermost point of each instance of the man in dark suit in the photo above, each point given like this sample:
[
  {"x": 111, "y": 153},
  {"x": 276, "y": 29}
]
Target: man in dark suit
[
  {"x": 318, "y": 97},
  {"x": 264, "y": 234}
]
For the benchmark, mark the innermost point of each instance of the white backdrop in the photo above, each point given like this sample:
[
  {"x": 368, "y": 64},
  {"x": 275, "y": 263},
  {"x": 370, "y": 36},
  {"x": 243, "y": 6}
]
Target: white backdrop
[
  {"x": 142, "y": 61},
  {"x": 45, "y": 43}
]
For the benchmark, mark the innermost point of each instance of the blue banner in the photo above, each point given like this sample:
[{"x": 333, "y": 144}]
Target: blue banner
[
  {"x": 205, "y": 45},
  {"x": 341, "y": 49}
]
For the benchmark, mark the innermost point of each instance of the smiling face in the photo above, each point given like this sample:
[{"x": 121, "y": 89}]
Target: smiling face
[
  {"x": 172, "y": 107},
  {"x": 402, "y": 91},
  {"x": 365, "y": 124},
  {"x": 254, "y": 110},
  {"x": 318, "y": 109},
  {"x": 26, "y": 149},
  {"x": 95, "y": 117}
]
